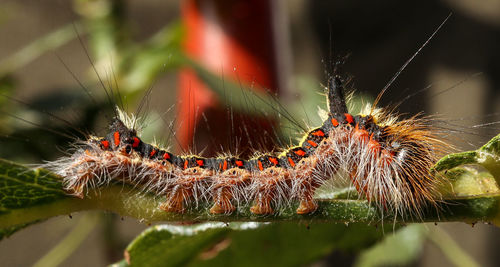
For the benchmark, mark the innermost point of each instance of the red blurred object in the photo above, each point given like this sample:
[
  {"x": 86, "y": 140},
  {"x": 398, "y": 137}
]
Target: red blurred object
[{"x": 233, "y": 39}]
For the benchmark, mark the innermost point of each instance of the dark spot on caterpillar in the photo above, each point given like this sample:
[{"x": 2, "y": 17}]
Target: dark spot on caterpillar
[{"x": 128, "y": 149}]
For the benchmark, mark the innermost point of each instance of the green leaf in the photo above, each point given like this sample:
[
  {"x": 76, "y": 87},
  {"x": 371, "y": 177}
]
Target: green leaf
[
  {"x": 467, "y": 181},
  {"x": 488, "y": 156},
  {"x": 167, "y": 245},
  {"x": 22, "y": 188},
  {"x": 24, "y": 195},
  {"x": 218, "y": 244},
  {"x": 454, "y": 160}
]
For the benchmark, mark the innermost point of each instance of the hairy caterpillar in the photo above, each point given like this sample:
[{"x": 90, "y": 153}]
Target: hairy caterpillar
[{"x": 388, "y": 161}]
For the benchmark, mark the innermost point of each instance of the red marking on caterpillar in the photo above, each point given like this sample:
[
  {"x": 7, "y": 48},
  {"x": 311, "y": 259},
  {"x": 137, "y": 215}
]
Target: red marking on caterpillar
[
  {"x": 349, "y": 118},
  {"x": 105, "y": 144},
  {"x": 300, "y": 152},
  {"x": 136, "y": 142},
  {"x": 273, "y": 161},
  {"x": 318, "y": 133},
  {"x": 335, "y": 123},
  {"x": 116, "y": 137},
  {"x": 260, "y": 165},
  {"x": 312, "y": 143}
]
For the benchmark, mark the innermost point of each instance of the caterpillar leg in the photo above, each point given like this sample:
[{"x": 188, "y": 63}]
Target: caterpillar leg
[
  {"x": 307, "y": 202},
  {"x": 77, "y": 190},
  {"x": 305, "y": 185},
  {"x": 271, "y": 185},
  {"x": 176, "y": 199},
  {"x": 190, "y": 183},
  {"x": 359, "y": 180},
  {"x": 92, "y": 169},
  {"x": 263, "y": 203},
  {"x": 79, "y": 174},
  {"x": 222, "y": 201},
  {"x": 362, "y": 188},
  {"x": 228, "y": 187}
]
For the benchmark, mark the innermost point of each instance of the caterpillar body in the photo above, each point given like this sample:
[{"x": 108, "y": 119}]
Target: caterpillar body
[{"x": 387, "y": 160}]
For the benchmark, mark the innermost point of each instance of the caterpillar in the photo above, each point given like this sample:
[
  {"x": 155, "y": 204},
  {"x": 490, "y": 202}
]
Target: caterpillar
[{"x": 388, "y": 160}]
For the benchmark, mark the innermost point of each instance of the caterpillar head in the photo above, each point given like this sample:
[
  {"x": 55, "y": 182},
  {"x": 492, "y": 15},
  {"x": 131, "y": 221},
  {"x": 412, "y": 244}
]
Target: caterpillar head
[{"x": 119, "y": 138}]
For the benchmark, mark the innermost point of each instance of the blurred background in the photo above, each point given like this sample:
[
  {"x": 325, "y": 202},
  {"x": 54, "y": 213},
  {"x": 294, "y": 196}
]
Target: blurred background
[{"x": 187, "y": 62}]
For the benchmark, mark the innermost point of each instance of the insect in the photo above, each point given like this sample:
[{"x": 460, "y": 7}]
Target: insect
[{"x": 388, "y": 161}]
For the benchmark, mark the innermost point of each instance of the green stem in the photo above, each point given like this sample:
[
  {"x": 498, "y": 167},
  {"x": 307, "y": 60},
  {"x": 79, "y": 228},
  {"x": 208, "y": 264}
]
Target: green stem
[{"x": 126, "y": 202}]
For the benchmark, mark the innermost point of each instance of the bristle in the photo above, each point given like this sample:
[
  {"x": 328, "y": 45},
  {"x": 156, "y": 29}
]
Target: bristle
[{"x": 130, "y": 120}]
